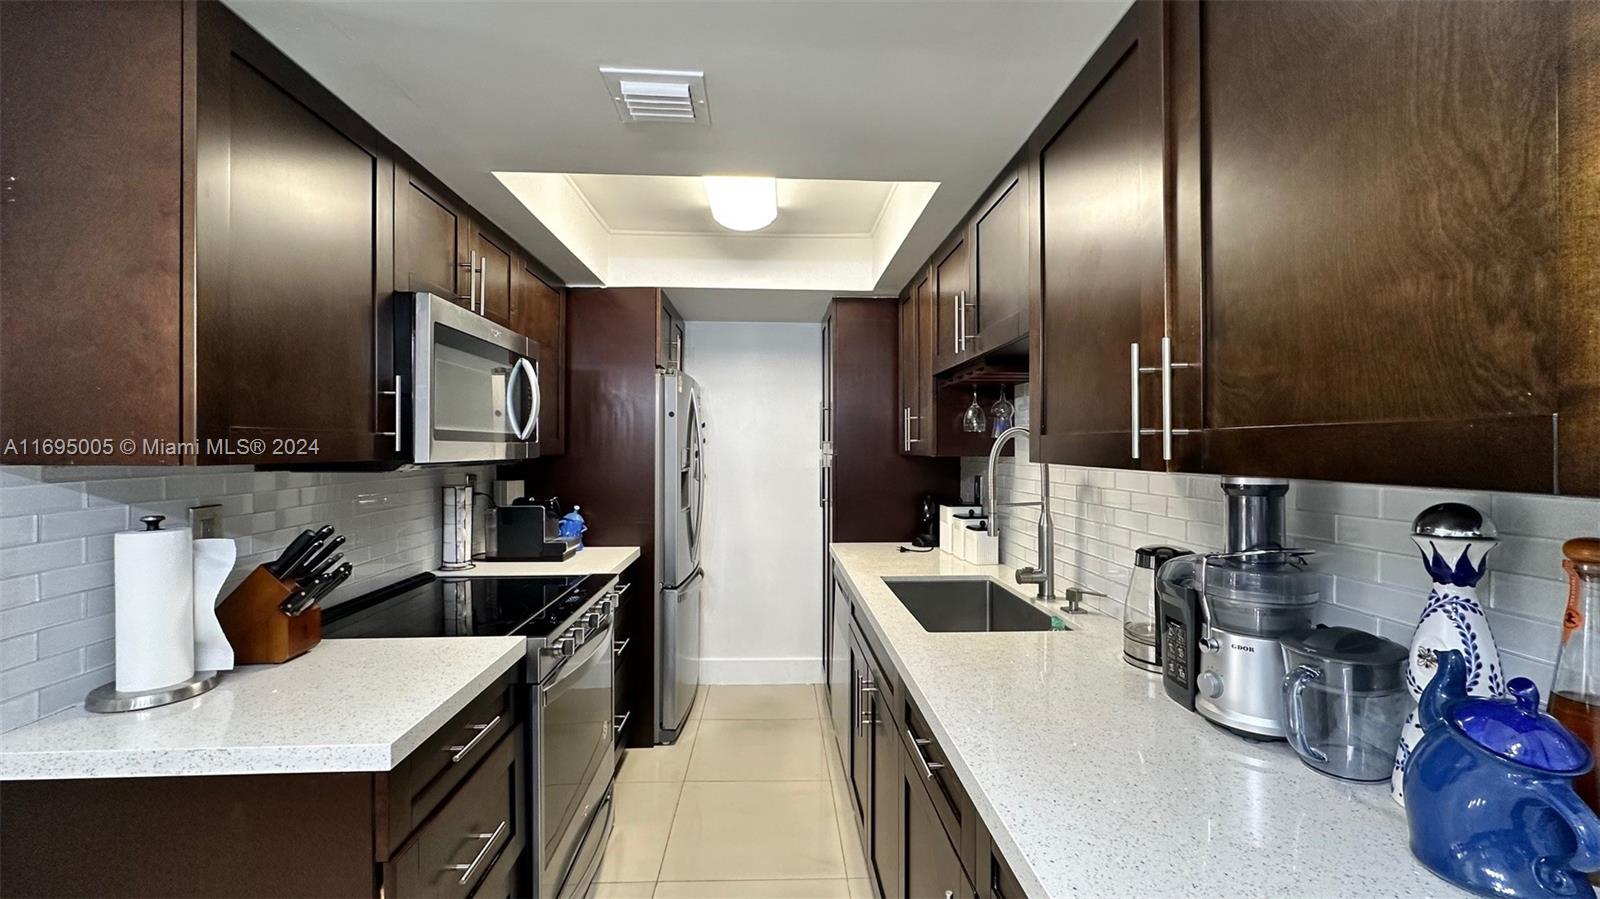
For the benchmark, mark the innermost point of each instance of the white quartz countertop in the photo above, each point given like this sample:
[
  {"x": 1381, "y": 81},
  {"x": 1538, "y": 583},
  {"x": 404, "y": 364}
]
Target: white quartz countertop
[
  {"x": 589, "y": 560},
  {"x": 347, "y": 705},
  {"x": 1094, "y": 783}
]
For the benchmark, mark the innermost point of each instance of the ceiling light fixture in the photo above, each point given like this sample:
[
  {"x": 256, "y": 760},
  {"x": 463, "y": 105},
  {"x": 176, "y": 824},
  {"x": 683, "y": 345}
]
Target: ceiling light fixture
[{"x": 742, "y": 204}]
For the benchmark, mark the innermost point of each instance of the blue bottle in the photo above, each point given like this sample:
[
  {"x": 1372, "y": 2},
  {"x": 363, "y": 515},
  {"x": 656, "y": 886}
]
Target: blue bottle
[{"x": 572, "y": 526}]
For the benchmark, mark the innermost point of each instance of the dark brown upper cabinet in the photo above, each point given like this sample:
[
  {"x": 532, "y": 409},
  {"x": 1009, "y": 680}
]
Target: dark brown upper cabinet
[
  {"x": 1386, "y": 242},
  {"x": 998, "y": 315},
  {"x": 1098, "y": 274},
  {"x": 952, "y": 296},
  {"x": 431, "y": 230},
  {"x": 251, "y": 228},
  {"x": 539, "y": 311},
  {"x": 91, "y": 316},
  {"x": 294, "y": 243},
  {"x": 496, "y": 265},
  {"x": 930, "y": 411}
]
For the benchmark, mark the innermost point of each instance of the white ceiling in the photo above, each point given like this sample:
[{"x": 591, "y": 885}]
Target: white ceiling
[
  {"x": 656, "y": 204},
  {"x": 856, "y": 90}
]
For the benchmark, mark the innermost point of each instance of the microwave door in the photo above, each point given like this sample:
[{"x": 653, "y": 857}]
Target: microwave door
[{"x": 476, "y": 390}]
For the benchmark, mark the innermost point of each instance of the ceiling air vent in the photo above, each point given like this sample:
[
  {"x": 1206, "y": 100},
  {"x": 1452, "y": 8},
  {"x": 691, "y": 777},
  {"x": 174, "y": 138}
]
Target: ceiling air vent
[{"x": 657, "y": 95}]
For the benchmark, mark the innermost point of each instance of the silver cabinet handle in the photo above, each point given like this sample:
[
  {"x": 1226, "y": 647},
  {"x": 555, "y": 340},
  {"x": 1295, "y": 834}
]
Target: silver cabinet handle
[
  {"x": 397, "y": 412},
  {"x": 618, "y": 647},
  {"x": 621, "y": 722},
  {"x": 1167, "y": 430},
  {"x": 905, "y": 429},
  {"x": 1133, "y": 387},
  {"x": 471, "y": 265},
  {"x": 922, "y": 758},
  {"x": 489, "y": 839},
  {"x": 483, "y": 286},
  {"x": 822, "y": 484},
  {"x": 957, "y": 297},
  {"x": 462, "y": 751}
]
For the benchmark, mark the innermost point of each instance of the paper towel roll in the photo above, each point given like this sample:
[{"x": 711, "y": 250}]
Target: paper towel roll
[
  {"x": 213, "y": 561},
  {"x": 154, "y": 572}
]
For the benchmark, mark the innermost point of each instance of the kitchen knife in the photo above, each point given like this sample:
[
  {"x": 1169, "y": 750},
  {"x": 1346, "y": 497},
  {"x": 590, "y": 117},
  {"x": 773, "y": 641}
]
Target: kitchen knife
[
  {"x": 314, "y": 560},
  {"x": 326, "y": 565},
  {"x": 280, "y": 566},
  {"x": 324, "y": 585},
  {"x": 302, "y": 598},
  {"x": 294, "y": 570}
]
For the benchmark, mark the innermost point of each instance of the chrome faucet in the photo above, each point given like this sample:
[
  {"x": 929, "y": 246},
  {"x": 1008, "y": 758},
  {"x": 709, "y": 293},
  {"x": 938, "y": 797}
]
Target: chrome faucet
[{"x": 1044, "y": 575}]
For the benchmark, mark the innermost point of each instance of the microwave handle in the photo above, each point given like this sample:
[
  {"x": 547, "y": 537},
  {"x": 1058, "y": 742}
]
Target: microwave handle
[
  {"x": 538, "y": 397},
  {"x": 521, "y": 429}
]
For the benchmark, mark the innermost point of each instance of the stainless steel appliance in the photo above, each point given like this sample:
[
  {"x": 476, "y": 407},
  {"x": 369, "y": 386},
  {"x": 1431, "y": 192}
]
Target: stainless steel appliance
[
  {"x": 1140, "y": 646},
  {"x": 564, "y": 690},
  {"x": 1250, "y": 596},
  {"x": 680, "y": 525},
  {"x": 474, "y": 385},
  {"x": 1345, "y": 700}
]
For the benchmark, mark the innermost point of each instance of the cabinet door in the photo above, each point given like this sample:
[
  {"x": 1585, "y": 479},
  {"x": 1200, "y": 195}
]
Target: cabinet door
[
  {"x": 952, "y": 297},
  {"x": 294, "y": 242},
  {"x": 1000, "y": 265},
  {"x": 884, "y": 844},
  {"x": 539, "y": 310},
  {"x": 496, "y": 269},
  {"x": 431, "y": 232},
  {"x": 1099, "y": 178},
  {"x": 1383, "y": 249},
  {"x": 92, "y": 149},
  {"x": 923, "y": 425},
  {"x": 860, "y": 769},
  {"x": 907, "y": 404},
  {"x": 930, "y": 867}
]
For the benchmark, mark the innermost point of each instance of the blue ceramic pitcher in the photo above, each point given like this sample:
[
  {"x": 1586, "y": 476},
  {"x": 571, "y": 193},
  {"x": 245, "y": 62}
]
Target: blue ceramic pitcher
[{"x": 1489, "y": 795}]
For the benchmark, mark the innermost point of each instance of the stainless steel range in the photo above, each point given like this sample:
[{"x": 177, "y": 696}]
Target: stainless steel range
[{"x": 565, "y": 691}]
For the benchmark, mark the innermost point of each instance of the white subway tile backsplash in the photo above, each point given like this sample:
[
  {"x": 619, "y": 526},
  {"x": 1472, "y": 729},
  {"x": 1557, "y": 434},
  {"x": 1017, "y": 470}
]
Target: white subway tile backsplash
[
  {"x": 1374, "y": 576},
  {"x": 57, "y": 602}
]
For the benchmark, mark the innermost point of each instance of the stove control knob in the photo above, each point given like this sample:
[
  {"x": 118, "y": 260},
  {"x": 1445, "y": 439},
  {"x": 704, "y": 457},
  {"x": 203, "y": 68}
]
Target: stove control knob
[
  {"x": 1210, "y": 683},
  {"x": 561, "y": 648}
]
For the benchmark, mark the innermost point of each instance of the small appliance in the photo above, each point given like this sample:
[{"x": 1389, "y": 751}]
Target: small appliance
[
  {"x": 1489, "y": 795},
  {"x": 928, "y": 512},
  {"x": 1141, "y": 606},
  {"x": 530, "y": 532},
  {"x": 1344, "y": 700},
  {"x": 1249, "y": 596},
  {"x": 473, "y": 385},
  {"x": 564, "y": 690}
]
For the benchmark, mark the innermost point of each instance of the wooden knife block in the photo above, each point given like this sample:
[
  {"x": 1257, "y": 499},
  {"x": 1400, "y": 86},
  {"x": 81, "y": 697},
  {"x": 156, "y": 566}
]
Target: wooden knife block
[{"x": 258, "y": 630}]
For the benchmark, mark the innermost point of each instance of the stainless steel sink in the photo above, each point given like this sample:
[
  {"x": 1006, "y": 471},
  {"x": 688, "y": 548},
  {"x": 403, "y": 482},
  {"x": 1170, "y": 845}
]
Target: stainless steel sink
[{"x": 951, "y": 605}]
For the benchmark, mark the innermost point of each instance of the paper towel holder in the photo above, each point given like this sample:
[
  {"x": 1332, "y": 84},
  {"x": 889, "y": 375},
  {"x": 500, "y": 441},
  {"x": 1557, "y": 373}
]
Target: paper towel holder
[{"x": 107, "y": 698}]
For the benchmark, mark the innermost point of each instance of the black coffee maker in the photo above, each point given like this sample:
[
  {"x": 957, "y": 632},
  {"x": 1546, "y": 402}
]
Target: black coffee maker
[{"x": 927, "y": 522}]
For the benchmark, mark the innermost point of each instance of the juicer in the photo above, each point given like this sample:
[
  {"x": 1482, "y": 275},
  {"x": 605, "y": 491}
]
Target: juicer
[{"x": 1250, "y": 596}]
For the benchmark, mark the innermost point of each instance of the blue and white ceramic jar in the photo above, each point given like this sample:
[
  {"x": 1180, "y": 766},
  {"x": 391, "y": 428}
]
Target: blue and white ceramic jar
[{"x": 1455, "y": 540}]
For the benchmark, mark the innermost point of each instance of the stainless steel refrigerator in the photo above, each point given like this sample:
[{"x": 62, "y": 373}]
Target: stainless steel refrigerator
[{"x": 680, "y": 522}]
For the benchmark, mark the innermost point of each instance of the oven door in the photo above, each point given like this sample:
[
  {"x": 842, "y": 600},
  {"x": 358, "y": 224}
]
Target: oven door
[
  {"x": 475, "y": 386},
  {"x": 575, "y": 760}
]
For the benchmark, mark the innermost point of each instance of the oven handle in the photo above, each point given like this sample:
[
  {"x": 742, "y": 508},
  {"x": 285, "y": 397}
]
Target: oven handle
[{"x": 599, "y": 640}]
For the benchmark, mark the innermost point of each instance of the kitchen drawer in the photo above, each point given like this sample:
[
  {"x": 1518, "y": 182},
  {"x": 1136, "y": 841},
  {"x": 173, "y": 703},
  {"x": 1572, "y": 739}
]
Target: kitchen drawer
[
  {"x": 932, "y": 768},
  {"x": 995, "y": 880},
  {"x": 417, "y": 785},
  {"x": 888, "y": 684},
  {"x": 463, "y": 842}
]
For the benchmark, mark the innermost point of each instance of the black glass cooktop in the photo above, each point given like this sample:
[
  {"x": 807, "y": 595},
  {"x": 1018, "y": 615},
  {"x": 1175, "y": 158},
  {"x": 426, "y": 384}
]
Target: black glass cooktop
[{"x": 431, "y": 606}]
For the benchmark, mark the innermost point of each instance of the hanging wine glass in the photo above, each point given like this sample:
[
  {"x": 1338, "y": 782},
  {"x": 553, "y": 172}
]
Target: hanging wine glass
[
  {"x": 974, "y": 421},
  {"x": 1002, "y": 415}
]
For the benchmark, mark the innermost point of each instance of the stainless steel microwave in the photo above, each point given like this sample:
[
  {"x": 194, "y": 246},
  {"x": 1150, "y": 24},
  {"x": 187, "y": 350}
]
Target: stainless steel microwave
[{"x": 474, "y": 384}]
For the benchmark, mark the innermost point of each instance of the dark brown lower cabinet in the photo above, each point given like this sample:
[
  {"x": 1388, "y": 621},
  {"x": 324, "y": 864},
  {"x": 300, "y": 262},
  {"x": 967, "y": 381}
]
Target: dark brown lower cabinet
[
  {"x": 432, "y": 827},
  {"x": 931, "y": 866}
]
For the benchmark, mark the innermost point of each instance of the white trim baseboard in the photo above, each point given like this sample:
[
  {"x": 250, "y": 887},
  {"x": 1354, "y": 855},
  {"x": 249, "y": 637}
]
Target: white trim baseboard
[{"x": 761, "y": 671}]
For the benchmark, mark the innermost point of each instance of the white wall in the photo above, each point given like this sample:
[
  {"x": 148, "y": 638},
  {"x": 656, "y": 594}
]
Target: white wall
[{"x": 762, "y": 384}]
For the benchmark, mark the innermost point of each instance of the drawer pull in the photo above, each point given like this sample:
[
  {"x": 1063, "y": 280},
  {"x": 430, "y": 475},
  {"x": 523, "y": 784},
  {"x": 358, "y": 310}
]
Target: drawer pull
[
  {"x": 465, "y": 748},
  {"x": 618, "y": 647},
  {"x": 922, "y": 758},
  {"x": 622, "y": 719},
  {"x": 489, "y": 840}
]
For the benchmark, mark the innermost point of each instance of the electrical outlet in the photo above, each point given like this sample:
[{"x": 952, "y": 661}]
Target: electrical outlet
[{"x": 205, "y": 521}]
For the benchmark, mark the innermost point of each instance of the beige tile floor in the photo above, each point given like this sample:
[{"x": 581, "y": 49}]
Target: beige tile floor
[{"x": 749, "y": 804}]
